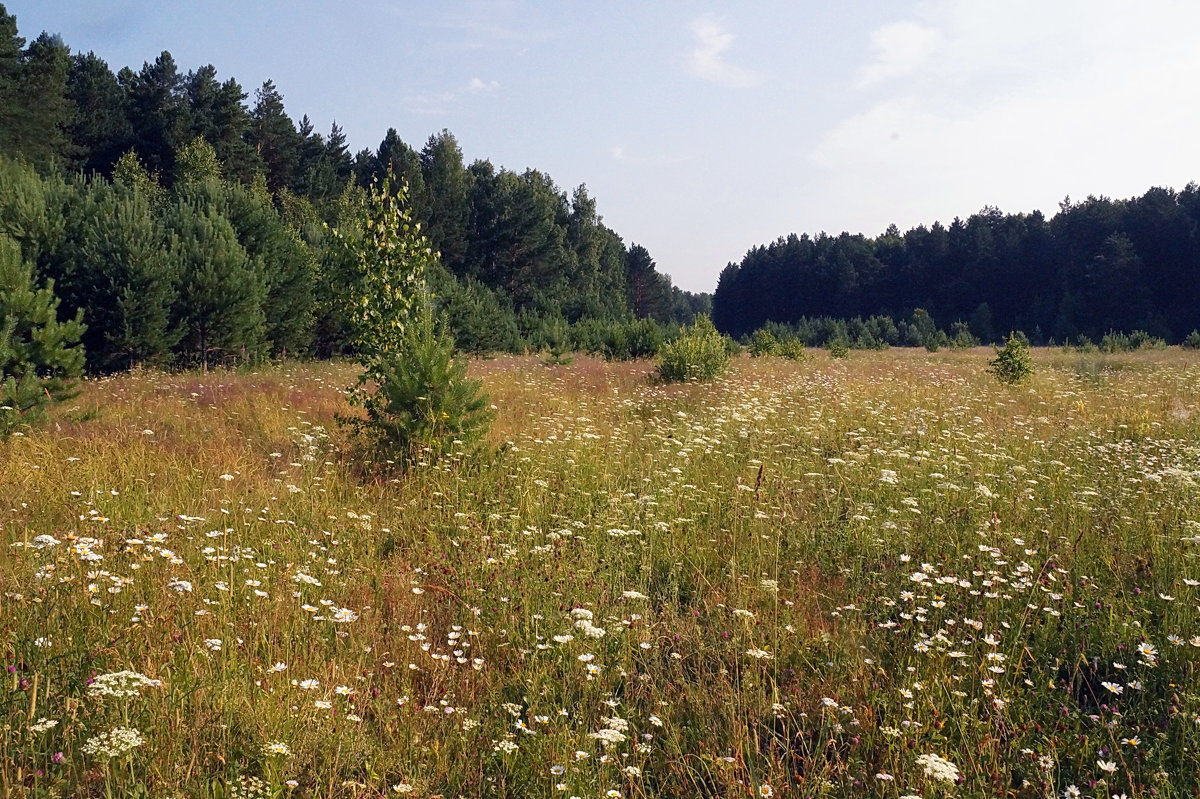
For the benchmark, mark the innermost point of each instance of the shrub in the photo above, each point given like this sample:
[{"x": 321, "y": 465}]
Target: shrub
[
  {"x": 839, "y": 347},
  {"x": 1141, "y": 340},
  {"x": 1013, "y": 364},
  {"x": 1192, "y": 342},
  {"x": 961, "y": 338},
  {"x": 699, "y": 353},
  {"x": 762, "y": 343},
  {"x": 424, "y": 401},
  {"x": 40, "y": 357},
  {"x": 793, "y": 349}
]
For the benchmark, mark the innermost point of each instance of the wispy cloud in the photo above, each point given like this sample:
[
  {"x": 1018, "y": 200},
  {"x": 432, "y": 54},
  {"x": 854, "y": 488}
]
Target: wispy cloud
[
  {"x": 480, "y": 86},
  {"x": 900, "y": 48},
  {"x": 440, "y": 102},
  {"x": 707, "y": 59},
  {"x": 435, "y": 103},
  {"x": 490, "y": 25}
]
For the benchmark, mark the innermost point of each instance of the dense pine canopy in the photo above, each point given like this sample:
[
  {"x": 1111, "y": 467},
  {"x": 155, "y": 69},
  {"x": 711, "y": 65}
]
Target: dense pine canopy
[
  {"x": 189, "y": 221},
  {"x": 1097, "y": 266}
]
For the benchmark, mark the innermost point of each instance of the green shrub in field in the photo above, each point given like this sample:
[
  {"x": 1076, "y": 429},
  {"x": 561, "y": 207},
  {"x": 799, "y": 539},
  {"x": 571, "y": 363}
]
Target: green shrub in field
[
  {"x": 699, "y": 353},
  {"x": 1013, "y": 363},
  {"x": 1192, "y": 342},
  {"x": 39, "y": 356},
  {"x": 839, "y": 347},
  {"x": 793, "y": 349},
  {"x": 762, "y": 343},
  {"x": 424, "y": 399}
]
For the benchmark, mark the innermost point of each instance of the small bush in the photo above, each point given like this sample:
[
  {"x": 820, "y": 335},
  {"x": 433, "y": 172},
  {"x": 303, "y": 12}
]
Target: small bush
[
  {"x": 762, "y": 343},
  {"x": 699, "y": 353},
  {"x": 1141, "y": 340},
  {"x": 1192, "y": 342},
  {"x": 793, "y": 349},
  {"x": 1013, "y": 364},
  {"x": 424, "y": 401},
  {"x": 839, "y": 347}
]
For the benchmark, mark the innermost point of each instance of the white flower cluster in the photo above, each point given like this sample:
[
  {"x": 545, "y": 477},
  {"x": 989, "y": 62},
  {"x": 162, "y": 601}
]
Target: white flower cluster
[
  {"x": 614, "y": 733},
  {"x": 938, "y": 768},
  {"x": 121, "y": 684},
  {"x": 113, "y": 743},
  {"x": 583, "y": 623},
  {"x": 276, "y": 748},
  {"x": 42, "y": 725}
]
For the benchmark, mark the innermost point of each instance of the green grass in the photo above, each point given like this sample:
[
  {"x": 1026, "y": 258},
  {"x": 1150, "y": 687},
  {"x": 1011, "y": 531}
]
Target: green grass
[{"x": 807, "y": 576}]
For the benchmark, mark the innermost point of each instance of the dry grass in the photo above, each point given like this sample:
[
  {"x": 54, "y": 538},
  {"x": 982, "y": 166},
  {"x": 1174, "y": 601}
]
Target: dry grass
[{"x": 805, "y": 575}]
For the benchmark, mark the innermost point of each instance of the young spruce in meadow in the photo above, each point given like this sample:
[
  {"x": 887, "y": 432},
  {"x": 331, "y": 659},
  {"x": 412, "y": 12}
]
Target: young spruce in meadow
[{"x": 1013, "y": 364}]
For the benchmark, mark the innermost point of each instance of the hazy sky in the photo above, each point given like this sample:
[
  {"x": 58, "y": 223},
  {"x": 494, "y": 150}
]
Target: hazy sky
[{"x": 704, "y": 129}]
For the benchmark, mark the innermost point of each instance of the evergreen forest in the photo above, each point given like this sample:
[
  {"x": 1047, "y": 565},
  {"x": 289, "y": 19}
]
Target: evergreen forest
[
  {"x": 1097, "y": 268},
  {"x": 191, "y": 223}
]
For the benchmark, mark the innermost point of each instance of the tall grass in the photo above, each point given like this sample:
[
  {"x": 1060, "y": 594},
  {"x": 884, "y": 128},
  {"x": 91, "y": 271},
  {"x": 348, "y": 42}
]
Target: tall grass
[{"x": 797, "y": 580}]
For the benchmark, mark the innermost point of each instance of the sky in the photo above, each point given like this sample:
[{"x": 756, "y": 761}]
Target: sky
[{"x": 704, "y": 129}]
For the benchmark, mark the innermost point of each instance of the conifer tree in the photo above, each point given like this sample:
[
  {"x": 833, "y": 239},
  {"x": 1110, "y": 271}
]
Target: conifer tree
[
  {"x": 40, "y": 357},
  {"x": 113, "y": 264},
  {"x": 219, "y": 297},
  {"x": 100, "y": 131}
]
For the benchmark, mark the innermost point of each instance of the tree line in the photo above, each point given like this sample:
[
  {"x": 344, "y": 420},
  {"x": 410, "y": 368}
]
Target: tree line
[
  {"x": 1096, "y": 267},
  {"x": 191, "y": 225}
]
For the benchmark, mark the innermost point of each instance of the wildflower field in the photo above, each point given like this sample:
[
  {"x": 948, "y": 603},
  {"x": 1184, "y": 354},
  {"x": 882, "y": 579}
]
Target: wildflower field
[{"x": 888, "y": 575}]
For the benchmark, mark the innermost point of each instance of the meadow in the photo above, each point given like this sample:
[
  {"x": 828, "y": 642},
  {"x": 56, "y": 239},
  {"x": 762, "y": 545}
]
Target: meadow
[{"x": 887, "y": 575}]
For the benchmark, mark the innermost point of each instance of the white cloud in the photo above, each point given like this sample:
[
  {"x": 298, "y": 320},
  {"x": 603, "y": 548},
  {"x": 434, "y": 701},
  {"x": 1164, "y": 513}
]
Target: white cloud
[
  {"x": 993, "y": 109},
  {"x": 707, "y": 59},
  {"x": 478, "y": 86},
  {"x": 899, "y": 49}
]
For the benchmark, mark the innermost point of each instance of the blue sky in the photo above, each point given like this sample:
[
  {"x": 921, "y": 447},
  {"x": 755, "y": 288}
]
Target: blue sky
[{"x": 704, "y": 129}]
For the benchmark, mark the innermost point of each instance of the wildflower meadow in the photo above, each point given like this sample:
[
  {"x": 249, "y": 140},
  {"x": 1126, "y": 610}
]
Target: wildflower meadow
[{"x": 886, "y": 575}]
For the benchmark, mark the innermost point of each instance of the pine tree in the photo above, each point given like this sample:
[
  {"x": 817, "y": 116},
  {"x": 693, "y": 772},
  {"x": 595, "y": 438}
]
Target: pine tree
[
  {"x": 14, "y": 112},
  {"x": 220, "y": 117},
  {"x": 219, "y": 297},
  {"x": 279, "y": 258},
  {"x": 158, "y": 111},
  {"x": 275, "y": 137},
  {"x": 424, "y": 404},
  {"x": 100, "y": 130},
  {"x": 47, "y": 64},
  {"x": 113, "y": 263},
  {"x": 449, "y": 185},
  {"x": 40, "y": 357}
]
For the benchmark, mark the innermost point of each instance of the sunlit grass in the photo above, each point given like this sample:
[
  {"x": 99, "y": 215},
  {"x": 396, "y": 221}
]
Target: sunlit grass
[{"x": 799, "y": 580}]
